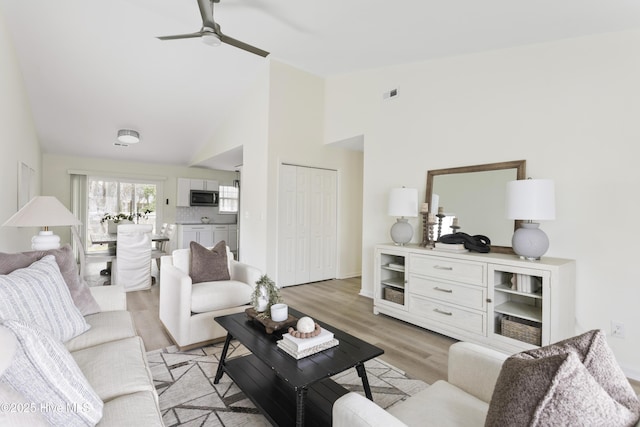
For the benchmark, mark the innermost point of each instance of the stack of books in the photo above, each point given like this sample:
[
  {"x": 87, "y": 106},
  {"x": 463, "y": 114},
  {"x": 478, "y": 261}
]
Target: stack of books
[
  {"x": 525, "y": 283},
  {"x": 457, "y": 248},
  {"x": 303, "y": 347}
]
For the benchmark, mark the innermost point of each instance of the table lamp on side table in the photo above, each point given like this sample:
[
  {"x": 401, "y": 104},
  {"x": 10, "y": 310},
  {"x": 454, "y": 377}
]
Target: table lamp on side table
[
  {"x": 529, "y": 200},
  {"x": 45, "y": 212},
  {"x": 403, "y": 202}
]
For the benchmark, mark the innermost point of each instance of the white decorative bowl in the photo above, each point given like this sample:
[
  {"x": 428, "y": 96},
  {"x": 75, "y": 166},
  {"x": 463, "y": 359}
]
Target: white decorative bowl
[{"x": 205, "y": 220}]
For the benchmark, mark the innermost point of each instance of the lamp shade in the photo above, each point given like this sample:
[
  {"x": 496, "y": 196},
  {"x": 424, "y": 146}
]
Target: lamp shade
[
  {"x": 403, "y": 202},
  {"x": 531, "y": 199},
  {"x": 42, "y": 211}
]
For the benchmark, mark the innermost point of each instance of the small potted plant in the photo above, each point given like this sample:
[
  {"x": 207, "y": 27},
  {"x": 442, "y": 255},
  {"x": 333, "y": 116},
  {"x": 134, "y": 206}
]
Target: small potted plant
[{"x": 265, "y": 294}]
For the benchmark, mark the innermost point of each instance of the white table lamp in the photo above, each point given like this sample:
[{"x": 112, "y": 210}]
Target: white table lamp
[
  {"x": 403, "y": 202},
  {"x": 45, "y": 212},
  {"x": 530, "y": 200}
]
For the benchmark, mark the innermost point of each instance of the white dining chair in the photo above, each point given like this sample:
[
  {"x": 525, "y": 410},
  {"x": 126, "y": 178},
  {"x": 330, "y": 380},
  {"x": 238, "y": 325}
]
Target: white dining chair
[
  {"x": 84, "y": 257},
  {"x": 165, "y": 247},
  {"x": 132, "y": 266}
]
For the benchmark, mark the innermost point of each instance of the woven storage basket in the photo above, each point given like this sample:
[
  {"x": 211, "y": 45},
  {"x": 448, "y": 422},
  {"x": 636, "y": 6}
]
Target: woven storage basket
[
  {"x": 521, "y": 330},
  {"x": 394, "y": 295}
]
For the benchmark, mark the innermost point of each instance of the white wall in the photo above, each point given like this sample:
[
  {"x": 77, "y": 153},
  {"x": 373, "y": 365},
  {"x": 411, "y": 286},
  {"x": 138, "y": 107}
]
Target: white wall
[
  {"x": 19, "y": 143},
  {"x": 246, "y": 126},
  {"x": 569, "y": 108}
]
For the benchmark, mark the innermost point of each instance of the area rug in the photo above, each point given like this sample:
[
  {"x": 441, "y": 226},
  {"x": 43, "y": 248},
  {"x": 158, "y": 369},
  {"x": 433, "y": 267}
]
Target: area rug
[{"x": 188, "y": 397}]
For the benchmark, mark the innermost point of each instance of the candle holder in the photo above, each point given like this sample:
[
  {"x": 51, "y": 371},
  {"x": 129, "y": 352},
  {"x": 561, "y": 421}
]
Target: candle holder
[
  {"x": 425, "y": 232},
  {"x": 440, "y": 216},
  {"x": 431, "y": 243},
  {"x": 455, "y": 228}
]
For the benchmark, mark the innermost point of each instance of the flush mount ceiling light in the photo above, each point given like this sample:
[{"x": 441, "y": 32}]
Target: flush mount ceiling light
[{"x": 126, "y": 137}]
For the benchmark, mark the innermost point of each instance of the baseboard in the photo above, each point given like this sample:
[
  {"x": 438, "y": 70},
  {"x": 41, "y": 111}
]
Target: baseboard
[
  {"x": 368, "y": 294},
  {"x": 632, "y": 374},
  {"x": 350, "y": 275}
]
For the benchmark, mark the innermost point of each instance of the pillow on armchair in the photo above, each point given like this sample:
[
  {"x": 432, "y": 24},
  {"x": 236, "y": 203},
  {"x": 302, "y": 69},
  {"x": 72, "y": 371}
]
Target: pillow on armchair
[
  {"x": 573, "y": 382},
  {"x": 209, "y": 265}
]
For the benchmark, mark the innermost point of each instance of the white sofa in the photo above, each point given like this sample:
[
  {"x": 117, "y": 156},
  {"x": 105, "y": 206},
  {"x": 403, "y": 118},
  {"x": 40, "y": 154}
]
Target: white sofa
[
  {"x": 187, "y": 310},
  {"x": 463, "y": 400},
  {"x": 112, "y": 358}
]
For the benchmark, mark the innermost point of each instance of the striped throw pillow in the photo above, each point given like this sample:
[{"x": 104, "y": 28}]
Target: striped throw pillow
[
  {"x": 49, "y": 380},
  {"x": 39, "y": 296}
]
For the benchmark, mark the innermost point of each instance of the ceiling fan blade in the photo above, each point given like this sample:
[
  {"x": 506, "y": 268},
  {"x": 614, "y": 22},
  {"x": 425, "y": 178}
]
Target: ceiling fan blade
[
  {"x": 181, "y": 36},
  {"x": 237, "y": 43}
]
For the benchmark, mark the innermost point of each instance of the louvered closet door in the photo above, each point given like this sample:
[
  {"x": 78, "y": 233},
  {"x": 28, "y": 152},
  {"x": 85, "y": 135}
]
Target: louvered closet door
[{"x": 307, "y": 225}]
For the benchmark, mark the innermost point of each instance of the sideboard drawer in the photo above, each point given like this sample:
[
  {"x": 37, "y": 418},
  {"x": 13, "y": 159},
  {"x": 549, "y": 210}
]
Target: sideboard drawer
[
  {"x": 454, "y": 293},
  {"x": 444, "y": 268},
  {"x": 447, "y": 315}
]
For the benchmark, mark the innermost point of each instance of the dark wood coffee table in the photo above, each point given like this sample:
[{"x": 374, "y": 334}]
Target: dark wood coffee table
[{"x": 289, "y": 391}]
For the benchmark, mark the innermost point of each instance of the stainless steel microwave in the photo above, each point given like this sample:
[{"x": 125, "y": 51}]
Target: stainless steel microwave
[{"x": 203, "y": 198}]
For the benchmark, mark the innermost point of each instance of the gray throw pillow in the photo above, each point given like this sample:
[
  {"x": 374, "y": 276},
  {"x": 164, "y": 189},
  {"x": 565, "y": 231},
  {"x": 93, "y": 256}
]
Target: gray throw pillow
[
  {"x": 208, "y": 265},
  {"x": 573, "y": 382},
  {"x": 48, "y": 378},
  {"x": 39, "y": 296},
  {"x": 78, "y": 288}
]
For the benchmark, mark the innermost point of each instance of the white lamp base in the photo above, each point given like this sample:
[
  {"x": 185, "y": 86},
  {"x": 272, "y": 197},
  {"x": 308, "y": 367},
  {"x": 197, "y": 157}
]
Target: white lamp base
[
  {"x": 529, "y": 241},
  {"x": 401, "y": 232},
  {"x": 45, "y": 240}
]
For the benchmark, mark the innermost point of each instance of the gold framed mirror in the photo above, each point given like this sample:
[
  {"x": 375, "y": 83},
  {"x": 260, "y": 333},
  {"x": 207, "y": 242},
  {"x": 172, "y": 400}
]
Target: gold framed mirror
[{"x": 476, "y": 196}]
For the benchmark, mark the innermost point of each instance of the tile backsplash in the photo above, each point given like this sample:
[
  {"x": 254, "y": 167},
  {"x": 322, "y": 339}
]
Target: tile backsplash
[{"x": 194, "y": 213}]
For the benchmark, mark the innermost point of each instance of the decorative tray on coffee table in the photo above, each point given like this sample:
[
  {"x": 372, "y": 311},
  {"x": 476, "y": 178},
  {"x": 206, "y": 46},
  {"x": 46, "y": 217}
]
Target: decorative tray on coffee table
[{"x": 269, "y": 325}]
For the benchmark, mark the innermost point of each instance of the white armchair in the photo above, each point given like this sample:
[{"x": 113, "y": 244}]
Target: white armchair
[{"x": 187, "y": 310}]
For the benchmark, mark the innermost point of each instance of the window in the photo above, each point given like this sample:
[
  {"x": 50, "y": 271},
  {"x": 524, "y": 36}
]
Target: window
[
  {"x": 114, "y": 196},
  {"x": 228, "y": 199}
]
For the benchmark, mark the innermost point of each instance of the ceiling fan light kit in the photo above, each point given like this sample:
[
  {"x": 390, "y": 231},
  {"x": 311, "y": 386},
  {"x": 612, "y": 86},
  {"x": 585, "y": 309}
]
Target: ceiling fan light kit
[
  {"x": 127, "y": 137},
  {"x": 211, "y": 39},
  {"x": 211, "y": 34}
]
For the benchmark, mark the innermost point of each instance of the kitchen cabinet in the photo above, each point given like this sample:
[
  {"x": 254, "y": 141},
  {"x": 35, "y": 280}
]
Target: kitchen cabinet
[
  {"x": 202, "y": 234},
  {"x": 221, "y": 232},
  {"x": 204, "y": 184},
  {"x": 497, "y": 300},
  {"x": 208, "y": 235},
  {"x": 184, "y": 189}
]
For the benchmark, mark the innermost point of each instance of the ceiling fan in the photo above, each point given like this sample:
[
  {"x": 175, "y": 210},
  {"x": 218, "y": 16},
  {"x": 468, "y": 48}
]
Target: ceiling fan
[{"x": 210, "y": 31}]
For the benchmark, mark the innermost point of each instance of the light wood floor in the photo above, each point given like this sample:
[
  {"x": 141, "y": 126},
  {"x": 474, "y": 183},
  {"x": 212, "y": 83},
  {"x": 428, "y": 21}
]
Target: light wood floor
[{"x": 420, "y": 353}]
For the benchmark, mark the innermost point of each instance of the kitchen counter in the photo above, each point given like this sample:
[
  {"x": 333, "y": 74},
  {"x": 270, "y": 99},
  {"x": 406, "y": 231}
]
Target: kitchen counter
[{"x": 205, "y": 223}]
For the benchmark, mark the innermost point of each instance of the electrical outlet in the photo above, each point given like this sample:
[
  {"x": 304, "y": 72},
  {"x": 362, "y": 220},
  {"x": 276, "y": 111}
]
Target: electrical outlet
[{"x": 617, "y": 329}]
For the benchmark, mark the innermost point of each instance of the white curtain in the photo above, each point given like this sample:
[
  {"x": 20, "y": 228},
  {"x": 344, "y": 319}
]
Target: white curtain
[{"x": 79, "y": 206}]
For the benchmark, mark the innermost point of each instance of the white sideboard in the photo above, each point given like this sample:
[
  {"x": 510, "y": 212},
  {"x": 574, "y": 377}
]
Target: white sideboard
[{"x": 497, "y": 300}]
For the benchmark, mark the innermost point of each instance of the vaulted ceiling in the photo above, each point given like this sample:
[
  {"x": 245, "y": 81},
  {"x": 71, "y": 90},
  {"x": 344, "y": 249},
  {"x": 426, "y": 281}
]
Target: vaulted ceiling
[{"x": 92, "y": 67}]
